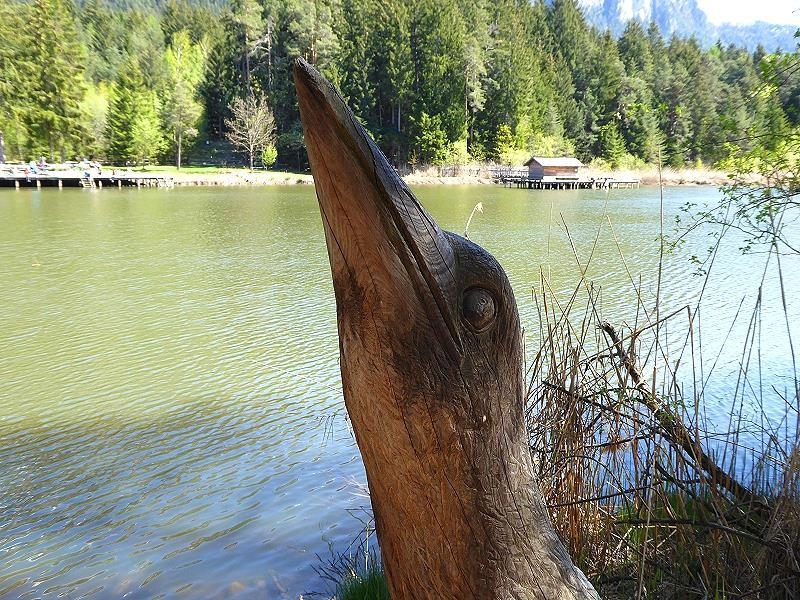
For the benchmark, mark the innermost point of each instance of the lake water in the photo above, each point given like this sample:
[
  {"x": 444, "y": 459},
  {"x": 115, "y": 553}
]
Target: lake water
[{"x": 171, "y": 422}]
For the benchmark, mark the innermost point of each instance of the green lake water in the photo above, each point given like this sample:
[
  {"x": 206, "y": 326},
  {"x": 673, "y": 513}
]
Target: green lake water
[{"x": 171, "y": 422}]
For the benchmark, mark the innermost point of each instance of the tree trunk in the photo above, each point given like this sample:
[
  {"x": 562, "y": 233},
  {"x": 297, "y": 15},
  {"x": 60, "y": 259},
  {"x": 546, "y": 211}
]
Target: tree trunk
[
  {"x": 179, "y": 140},
  {"x": 2, "y": 148}
]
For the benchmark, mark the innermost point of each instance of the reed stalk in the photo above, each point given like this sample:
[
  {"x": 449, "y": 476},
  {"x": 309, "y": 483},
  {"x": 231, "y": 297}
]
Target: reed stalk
[{"x": 651, "y": 499}]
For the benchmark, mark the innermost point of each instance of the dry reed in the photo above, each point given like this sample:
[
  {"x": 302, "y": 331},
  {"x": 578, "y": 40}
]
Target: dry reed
[{"x": 649, "y": 498}]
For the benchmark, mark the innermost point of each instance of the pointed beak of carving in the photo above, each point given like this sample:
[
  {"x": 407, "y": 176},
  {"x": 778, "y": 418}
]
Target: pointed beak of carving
[{"x": 389, "y": 258}]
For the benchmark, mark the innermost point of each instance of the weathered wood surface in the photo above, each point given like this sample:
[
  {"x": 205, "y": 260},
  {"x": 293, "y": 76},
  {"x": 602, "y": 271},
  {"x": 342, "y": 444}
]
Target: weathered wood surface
[{"x": 431, "y": 364}]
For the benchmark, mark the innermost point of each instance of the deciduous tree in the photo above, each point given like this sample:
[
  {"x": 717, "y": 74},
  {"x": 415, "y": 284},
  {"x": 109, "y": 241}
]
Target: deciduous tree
[
  {"x": 148, "y": 138},
  {"x": 252, "y": 127}
]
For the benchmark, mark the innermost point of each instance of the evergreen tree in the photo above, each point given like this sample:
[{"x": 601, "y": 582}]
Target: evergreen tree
[
  {"x": 391, "y": 75},
  {"x": 738, "y": 106},
  {"x": 294, "y": 28},
  {"x": 572, "y": 38},
  {"x": 511, "y": 84},
  {"x": 638, "y": 119},
  {"x": 310, "y": 33},
  {"x": 246, "y": 14},
  {"x": 477, "y": 43},
  {"x": 498, "y": 79},
  {"x": 602, "y": 107},
  {"x": 635, "y": 51},
  {"x": 783, "y": 71},
  {"x": 705, "y": 95},
  {"x": 105, "y": 32},
  {"x": 772, "y": 119},
  {"x": 182, "y": 111},
  {"x": 431, "y": 141},
  {"x": 11, "y": 80},
  {"x": 55, "y": 75},
  {"x": 358, "y": 59},
  {"x": 638, "y": 122},
  {"x": 148, "y": 140},
  {"x": 145, "y": 44},
  {"x": 198, "y": 21},
  {"x": 436, "y": 34},
  {"x": 133, "y": 125},
  {"x": 611, "y": 143},
  {"x": 223, "y": 79},
  {"x": 658, "y": 79},
  {"x": 123, "y": 108},
  {"x": 573, "y": 42},
  {"x": 675, "y": 118}
]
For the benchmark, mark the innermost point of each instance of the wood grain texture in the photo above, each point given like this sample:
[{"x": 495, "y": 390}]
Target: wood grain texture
[{"x": 431, "y": 364}]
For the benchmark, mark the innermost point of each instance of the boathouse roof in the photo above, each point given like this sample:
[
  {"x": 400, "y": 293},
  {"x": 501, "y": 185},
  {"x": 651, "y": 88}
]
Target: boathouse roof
[{"x": 559, "y": 161}]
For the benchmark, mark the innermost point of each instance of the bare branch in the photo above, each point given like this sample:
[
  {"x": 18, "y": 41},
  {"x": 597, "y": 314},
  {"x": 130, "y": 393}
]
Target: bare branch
[{"x": 252, "y": 127}]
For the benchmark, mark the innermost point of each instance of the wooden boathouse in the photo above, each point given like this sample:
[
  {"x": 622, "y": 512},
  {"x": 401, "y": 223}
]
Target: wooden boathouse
[
  {"x": 563, "y": 167},
  {"x": 559, "y": 173}
]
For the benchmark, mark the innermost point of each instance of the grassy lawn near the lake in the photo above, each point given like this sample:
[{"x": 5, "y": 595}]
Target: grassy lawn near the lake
[
  {"x": 201, "y": 170},
  {"x": 215, "y": 175}
]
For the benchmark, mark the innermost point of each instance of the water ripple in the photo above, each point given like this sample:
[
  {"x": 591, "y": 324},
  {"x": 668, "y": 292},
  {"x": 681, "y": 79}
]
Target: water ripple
[
  {"x": 160, "y": 398},
  {"x": 170, "y": 369}
]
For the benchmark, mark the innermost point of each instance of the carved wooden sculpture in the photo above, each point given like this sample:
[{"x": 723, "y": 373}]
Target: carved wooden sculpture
[{"x": 432, "y": 372}]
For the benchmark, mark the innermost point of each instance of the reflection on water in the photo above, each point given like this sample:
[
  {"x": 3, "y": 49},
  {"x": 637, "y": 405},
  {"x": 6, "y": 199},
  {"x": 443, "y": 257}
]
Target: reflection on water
[{"x": 170, "y": 411}]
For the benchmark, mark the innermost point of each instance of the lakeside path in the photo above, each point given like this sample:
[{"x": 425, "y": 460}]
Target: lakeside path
[{"x": 243, "y": 177}]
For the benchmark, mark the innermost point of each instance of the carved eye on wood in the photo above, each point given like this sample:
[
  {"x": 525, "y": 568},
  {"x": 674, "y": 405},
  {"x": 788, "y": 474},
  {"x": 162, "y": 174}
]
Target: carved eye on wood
[{"x": 478, "y": 308}]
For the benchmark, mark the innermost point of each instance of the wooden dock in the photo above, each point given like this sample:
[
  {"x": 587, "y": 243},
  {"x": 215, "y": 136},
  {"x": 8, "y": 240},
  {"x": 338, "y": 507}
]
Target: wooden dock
[
  {"x": 62, "y": 179},
  {"x": 520, "y": 178},
  {"x": 566, "y": 183}
]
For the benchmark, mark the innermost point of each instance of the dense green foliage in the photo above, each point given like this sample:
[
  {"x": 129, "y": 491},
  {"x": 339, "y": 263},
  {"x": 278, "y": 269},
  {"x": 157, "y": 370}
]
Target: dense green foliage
[{"x": 435, "y": 82}]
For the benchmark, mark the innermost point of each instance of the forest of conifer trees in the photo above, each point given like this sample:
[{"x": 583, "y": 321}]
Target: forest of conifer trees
[{"x": 436, "y": 81}]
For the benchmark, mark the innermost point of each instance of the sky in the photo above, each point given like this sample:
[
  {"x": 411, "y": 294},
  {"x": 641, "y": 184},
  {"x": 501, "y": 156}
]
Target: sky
[{"x": 784, "y": 12}]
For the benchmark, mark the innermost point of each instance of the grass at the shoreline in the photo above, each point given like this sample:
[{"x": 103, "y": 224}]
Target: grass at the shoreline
[
  {"x": 370, "y": 585},
  {"x": 222, "y": 176},
  {"x": 184, "y": 169},
  {"x": 356, "y": 574},
  {"x": 205, "y": 170}
]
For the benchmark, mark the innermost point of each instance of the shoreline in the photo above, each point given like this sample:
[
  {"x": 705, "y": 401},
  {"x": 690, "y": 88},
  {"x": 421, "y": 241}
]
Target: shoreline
[
  {"x": 236, "y": 177},
  {"x": 648, "y": 177},
  {"x": 468, "y": 175},
  {"x": 669, "y": 176}
]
